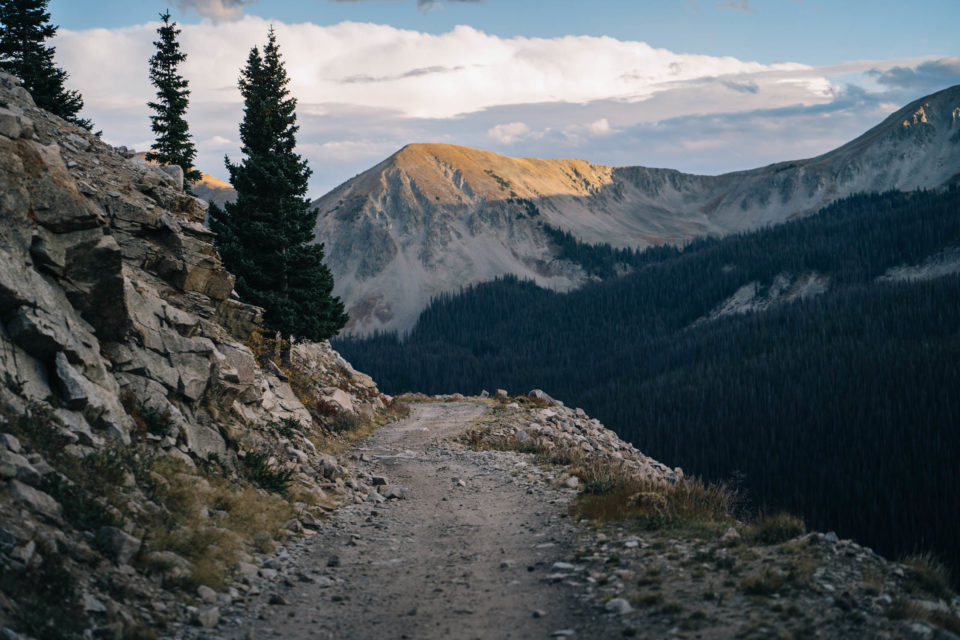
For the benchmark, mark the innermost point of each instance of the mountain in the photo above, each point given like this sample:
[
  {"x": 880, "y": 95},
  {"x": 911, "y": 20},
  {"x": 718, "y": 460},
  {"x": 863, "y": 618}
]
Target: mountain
[
  {"x": 214, "y": 190},
  {"x": 433, "y": 218}
]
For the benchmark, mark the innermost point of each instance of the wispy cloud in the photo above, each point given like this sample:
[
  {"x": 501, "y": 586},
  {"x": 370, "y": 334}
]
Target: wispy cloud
[
  {"x": 217, "y": 9},
  {"x": 743, "y": 5},
  {"x": 413, "y": 73},
  {"x": 423, "y": 5},
  {"x": 928, "y": 76}
]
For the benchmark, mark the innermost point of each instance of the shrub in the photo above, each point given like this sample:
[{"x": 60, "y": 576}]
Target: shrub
[
  {"x": 79, "y": 509},
  {"x": 264, "y": 474}
]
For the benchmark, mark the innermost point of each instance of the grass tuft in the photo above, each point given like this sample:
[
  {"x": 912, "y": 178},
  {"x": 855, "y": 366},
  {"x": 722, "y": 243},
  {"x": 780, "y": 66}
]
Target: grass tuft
[{"x": 775, "y": 529}]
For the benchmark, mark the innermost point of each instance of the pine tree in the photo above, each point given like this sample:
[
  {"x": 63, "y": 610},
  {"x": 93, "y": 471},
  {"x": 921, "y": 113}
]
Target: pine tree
[
  {"x": 264, "y": 235},
  {"x": 25, "y": 27},
  {"x": 173, "y": 145}
]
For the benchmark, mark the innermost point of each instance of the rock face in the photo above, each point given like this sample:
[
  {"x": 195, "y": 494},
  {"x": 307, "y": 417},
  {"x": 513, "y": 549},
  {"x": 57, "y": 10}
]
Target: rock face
[
  {"x": 433, "y": 217},
  {"x": 123, "y": 349},
  {"x": 110, "y": 287}
]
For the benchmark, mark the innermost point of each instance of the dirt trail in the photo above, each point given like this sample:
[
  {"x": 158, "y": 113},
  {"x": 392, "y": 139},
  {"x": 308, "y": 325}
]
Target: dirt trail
[{"x": 449, "y": 561}]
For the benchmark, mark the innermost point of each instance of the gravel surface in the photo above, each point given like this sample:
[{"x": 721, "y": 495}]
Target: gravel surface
[{"x": 464, "y": 550}]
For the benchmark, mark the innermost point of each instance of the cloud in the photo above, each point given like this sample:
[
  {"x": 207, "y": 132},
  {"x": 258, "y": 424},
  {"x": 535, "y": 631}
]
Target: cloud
[
  {"x": 743, "y": 5},
  {"x": 413, "y": 73},
  {"x": 742, "y": 87},
  {"x": 509, "y": 133},
  {"x": 366, "y": 90},
  {"x": 423, "y": 5},
  {"x": 600, "y": 127},
  {"x": 928, "y": 76},
  {"x": 216, "y": 9}
]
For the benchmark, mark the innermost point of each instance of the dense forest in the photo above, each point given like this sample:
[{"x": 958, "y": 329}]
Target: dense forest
[{"x": 843, "y": 407}]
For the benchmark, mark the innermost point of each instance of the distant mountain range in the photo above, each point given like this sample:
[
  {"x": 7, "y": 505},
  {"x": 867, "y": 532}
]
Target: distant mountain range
[{"x": 433, "y": 218}]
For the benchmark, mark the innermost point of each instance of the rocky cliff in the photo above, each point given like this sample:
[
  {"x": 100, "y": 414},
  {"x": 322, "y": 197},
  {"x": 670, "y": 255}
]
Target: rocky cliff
[
  {"x": 433, "y": 218},
  {"x": 138, "y": 399}
]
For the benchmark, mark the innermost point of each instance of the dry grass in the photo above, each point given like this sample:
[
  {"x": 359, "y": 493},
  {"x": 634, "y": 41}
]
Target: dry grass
[
  {"x": 927, "y": 573},
  {"x": 873, "y": 581},
  {"x": 689, "y": 504},
  {"x": 939, "y": 619},
  {"x": 774, "y": 529},
  {"x": 211, "y": 521}
]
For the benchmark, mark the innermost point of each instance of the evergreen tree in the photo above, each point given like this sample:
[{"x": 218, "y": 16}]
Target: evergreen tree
[
  {"x": 264, "y": 235},
  {"x": 25, "y": 27},
  {"x": 173, "y": 145}
]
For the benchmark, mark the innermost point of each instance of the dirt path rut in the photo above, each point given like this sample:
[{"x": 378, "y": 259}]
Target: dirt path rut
[{"x": 448, "y": 561}]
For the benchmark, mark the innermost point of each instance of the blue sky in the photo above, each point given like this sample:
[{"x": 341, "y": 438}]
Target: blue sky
[{"x": 704, "y": 86}]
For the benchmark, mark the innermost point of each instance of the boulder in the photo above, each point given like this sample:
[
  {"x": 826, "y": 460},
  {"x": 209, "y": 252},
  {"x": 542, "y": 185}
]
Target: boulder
[
  {"x": 204, "y": 441},
  {"x": 117, "y": 545},
  {"x": 175, "y": 172},
  {"x": 70, "y": 383},
  {"x": 342, "y": 400},
  {"x": 36, "y": 500}
]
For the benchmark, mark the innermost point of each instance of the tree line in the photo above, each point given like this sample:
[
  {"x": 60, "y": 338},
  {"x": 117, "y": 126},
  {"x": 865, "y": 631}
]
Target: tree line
[
  {"x": 265, "y": 237},
  {"x": 841, "y": 407}
]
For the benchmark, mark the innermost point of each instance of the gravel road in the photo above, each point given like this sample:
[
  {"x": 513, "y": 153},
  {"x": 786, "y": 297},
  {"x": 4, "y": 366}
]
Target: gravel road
[{"x": 468, "y": 553}]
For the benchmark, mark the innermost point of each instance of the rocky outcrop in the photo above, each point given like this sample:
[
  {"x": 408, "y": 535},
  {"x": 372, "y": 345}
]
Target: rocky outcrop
[
  {"x": 126, "y": 369},
  {"x": 433, "y": 218}
]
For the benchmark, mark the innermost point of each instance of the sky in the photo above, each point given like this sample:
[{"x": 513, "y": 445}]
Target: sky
[{"x": 704, "y": 86}]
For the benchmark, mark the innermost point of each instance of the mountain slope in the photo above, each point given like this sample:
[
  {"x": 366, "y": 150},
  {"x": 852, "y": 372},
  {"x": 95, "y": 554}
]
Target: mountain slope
[
  {"x": 818, "y": 354},
  {"x": 433, "y": 217},
  {"x": 214, "y": 190}
]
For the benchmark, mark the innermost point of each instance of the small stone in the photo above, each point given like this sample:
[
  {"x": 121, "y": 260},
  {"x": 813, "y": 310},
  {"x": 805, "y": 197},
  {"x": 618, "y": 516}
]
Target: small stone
[
  {"x": 459, "y": 482},
  {"x": 378, "y": 481},
  {"x": 207, "y": 594},
  {"x": 8, "y": 634},
  {"x": 572, "y": 482},
  {"x": 277, "y": 599},
  {"x": 501, "y": 393},
  {"x": 24, "y": 553},
  {"x": 539, "y": 613},
  {"x": 831, "y": 537},
  {"x": 333, "y": 561},
  {"x": 732, "y": 536},
  {"x": 506, "y": 564},
  {"x": 562, "y": 566},
  {"x": 246, "y": 570},
  {"x": 268, "y": 574},
  {"x": 563, "y": 633},
  {"x": 10, "y": 442},
  {"x": 207, "y": 617},
  {"x": 93, "y": 605},
  {"x": 396, "y": 493},
  {"x": 618, "y": 606}
]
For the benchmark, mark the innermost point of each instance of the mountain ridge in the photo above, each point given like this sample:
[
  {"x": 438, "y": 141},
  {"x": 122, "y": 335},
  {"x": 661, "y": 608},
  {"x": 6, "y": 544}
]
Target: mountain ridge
[{"x": 433, "y": 217}]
